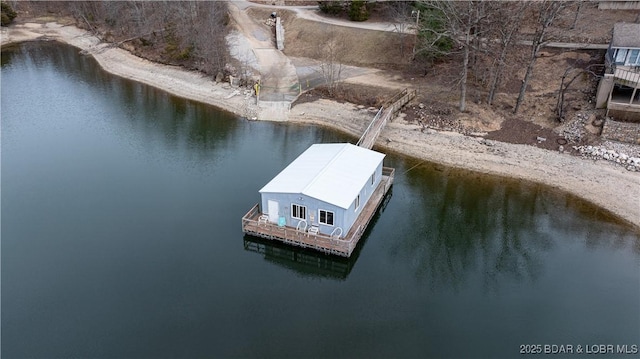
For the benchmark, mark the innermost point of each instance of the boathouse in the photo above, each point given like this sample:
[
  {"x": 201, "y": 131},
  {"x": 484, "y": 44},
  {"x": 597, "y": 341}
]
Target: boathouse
[
  {"x": 324, "y": 199},
  {"x": 326, "y": 187}
]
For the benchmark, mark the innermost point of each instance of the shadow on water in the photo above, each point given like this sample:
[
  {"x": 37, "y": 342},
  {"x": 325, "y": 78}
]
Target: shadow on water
[
  {"x": 305, "y": 262},
  {"x": 311, "y": 263},
  {"x": 473, "y": 224}
]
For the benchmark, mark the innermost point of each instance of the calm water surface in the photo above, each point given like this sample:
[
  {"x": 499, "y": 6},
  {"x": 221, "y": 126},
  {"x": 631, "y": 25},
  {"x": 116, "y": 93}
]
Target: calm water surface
[{"x": 121, "y": 238}]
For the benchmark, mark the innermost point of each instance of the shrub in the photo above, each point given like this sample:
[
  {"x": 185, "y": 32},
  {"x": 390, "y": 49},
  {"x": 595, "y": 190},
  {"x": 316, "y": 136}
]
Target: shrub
[
  {"x": 8, "y": 14},
  {"x": 358, "y": 10},
  {"x": 432, "y": 26},
  {"x": 330, "y": 7}
]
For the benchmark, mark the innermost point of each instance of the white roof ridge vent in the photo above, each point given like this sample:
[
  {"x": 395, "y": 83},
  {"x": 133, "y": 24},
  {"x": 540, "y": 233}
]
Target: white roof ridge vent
[{"x": 325, "y": 168}]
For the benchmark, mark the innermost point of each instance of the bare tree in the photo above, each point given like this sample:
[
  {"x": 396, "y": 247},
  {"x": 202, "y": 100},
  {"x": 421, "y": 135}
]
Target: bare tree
[
  {"x": 190, "y": 33},
  {"x": 401, "y": 17},
  {"x": 208, "y": 34},
  {"x": 505, "y": 32},
  {"x": 547, "y": 12},
  {"x": 464, "y": 23},
  {"x": 592, "y": 70},
  {"x": 578, "y": 8},
  {"x": 330, "y": 52}
]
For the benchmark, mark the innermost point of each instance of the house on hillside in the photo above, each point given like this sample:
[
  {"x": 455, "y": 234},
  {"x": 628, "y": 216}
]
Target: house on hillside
[
  {"x": 624, "y": 49},
  {"x": 323, "y": 200},
  {"x": 618, "y": 90}
]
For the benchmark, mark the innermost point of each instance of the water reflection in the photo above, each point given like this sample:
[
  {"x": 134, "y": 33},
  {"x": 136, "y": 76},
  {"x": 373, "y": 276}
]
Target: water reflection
[
  {"x": 306, "y": 263},
  {"x": 472, "y": 225},
  {"x": 176, "y": 122}
]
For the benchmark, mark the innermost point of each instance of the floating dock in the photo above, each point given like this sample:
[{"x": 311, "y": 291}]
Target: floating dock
[{"x": 256, "y": 224}]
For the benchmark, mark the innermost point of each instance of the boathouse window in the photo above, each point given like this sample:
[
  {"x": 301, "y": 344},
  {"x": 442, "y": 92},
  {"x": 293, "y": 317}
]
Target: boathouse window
[
  {"x": 298, "y": 211},
  {"x": 373, "y": 178},
  {"x": 325, "y": 217},
  {"x": 357, "y": 205}
]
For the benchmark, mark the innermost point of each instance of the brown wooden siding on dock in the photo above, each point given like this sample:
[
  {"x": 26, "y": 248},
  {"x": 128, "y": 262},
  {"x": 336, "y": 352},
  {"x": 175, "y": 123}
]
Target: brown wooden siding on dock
[{"x": 252, "y": 225}]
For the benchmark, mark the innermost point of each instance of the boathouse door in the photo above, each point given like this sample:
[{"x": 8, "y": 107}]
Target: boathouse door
[{"x": 273, "y": 211}]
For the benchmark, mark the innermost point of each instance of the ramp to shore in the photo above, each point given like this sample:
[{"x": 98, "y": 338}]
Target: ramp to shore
[{"x": 371, "y": 133}]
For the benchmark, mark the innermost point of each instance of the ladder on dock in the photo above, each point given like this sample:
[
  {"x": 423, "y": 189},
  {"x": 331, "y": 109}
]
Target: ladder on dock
[{"x": 371, "y": 133}]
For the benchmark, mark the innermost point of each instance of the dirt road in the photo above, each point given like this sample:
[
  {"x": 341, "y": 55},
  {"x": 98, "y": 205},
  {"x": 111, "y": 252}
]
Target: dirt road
[
  {"x": 281, "y": 76},
  {"x": 277, "y": 73},
  {"x": 312, "y": 12}
]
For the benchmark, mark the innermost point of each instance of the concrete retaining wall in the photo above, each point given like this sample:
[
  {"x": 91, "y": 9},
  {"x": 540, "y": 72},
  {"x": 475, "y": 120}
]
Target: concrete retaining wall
[
  {"x": 604, "y": 88},
  {"x": 279, "y": 34},
  {"x": 274, "y": 110},
  {"x": 622, "y": 112}
]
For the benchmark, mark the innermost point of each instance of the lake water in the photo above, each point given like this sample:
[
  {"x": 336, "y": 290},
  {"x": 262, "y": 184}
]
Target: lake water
[{"x": 121, "y": 238}]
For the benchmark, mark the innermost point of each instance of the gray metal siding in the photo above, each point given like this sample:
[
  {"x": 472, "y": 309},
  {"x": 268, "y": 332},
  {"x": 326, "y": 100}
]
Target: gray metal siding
[
  {"x": 343, "y": 218},
  {"x": 285, "y": 200},
  {"x": 367, "y": 190}
]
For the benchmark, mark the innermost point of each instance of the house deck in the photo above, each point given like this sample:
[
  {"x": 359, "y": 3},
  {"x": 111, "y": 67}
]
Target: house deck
[
  {"x": 252, "y": 224},
  {"x": 627, "y": 75}
]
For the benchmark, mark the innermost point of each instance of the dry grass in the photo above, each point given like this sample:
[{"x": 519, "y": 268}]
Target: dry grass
[
  {"x": 437, "y": 86},
  {"x": 363, "y": 47},
  {"x": 369, "y": 96}
]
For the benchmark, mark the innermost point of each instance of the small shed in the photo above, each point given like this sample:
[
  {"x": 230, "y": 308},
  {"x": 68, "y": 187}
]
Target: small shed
[{"x": 325, "y": 188}]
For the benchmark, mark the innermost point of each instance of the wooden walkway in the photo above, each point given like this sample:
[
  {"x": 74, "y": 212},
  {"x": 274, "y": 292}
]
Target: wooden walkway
[
  {"x": 370, "y": 135},
  {"x": 253, "y": 225}
]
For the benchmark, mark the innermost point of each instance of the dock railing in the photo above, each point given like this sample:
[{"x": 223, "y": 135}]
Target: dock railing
[
  {"x": 366, "y": 131},
  {"x": 627, "y": 75},
  {"x": 371, "y": 133},
  {"x": 318, "y": 241}
]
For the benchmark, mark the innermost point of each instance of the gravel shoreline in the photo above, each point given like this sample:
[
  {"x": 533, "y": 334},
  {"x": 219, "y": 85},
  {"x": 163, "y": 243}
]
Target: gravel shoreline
[{"x": 603, "y": 183}]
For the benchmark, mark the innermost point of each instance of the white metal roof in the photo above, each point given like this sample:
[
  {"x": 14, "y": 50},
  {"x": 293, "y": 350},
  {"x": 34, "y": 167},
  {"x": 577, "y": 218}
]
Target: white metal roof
[{"x": 331, "y": 172}]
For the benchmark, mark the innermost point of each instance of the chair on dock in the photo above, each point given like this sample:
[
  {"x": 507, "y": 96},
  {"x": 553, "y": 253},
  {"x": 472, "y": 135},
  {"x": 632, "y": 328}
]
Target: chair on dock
[
  {"x": 314, "y": 230},
  {"x": 263, "y": 219}
]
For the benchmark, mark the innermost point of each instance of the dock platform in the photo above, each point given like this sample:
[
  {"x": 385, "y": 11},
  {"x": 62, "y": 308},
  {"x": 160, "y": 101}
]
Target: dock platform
[{"x": 252, "y": 224}]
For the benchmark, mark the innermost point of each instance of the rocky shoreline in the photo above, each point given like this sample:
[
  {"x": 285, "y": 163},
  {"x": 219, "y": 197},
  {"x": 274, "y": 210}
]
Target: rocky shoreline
[
  {"x": 602, "y": 153},
  {"x": 587, "y": 179}
]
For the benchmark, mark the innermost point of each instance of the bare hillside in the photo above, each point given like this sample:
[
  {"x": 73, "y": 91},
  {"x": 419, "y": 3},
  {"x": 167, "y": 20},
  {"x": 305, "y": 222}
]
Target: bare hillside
[{"x": 304, "y": 38}]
